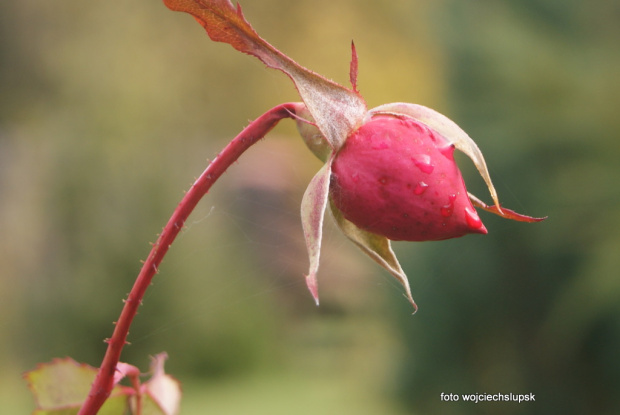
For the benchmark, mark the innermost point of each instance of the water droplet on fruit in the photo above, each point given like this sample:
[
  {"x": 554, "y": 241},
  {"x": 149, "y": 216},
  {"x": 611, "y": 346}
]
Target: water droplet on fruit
[
  {"x": 448, "y": 151},
  {"x": 423, "y": 162},
  {"x": 447, "y": 210},
  {"x": 472, "y": 218},
  {"x": 383, "y": 180},
  {"x": 420, "y": 188},
  {"x": 355, "y": 177}
]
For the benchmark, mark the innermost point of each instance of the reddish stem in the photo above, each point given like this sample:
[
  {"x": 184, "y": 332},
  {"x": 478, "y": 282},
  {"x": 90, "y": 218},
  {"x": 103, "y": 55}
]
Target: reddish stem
[{"x": 102, "y": 386}]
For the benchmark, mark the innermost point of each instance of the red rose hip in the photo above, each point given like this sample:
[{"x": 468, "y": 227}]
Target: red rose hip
[{"x": 397, "y": 178}]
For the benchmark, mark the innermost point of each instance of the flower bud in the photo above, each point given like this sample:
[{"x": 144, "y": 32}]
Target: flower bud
[{"x": 396, "y": 177}]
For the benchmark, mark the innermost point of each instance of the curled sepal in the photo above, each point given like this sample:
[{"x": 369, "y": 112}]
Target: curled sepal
[
  {"x": 313, "y": 206},
  {"x": 449, "y": 130},
  {"x": 336, "y": 109},
  {"x": 503, "y": 212},
  {"x": 376, "y": 247}
]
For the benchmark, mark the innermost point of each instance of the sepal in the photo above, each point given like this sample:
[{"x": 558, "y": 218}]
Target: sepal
[
  {"x": 504, "y": 213},
  {"x": 313, "y": 206},
  {"x": 446, "y": 128},
  {"x": 377, "y": 247}
]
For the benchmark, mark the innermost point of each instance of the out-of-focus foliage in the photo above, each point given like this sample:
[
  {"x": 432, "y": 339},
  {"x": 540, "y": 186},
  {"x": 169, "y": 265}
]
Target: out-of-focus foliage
[
  {"x": 108, "y": 111},
  {"x": 529, "y": 308}
]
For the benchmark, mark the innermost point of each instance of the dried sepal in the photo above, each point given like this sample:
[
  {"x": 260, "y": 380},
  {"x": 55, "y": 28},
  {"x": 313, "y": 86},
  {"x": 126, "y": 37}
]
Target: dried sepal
[
  {"x": 504, "y": 213},
  {"x": 336, "y": 109},
  {"x": 377, "y": 247},
  {"x": 353, "y": 68},
  {"x": 313, "y": 205}
]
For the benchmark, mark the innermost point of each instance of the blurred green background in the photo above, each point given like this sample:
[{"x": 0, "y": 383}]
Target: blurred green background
[{"x": 109, "y": 110}]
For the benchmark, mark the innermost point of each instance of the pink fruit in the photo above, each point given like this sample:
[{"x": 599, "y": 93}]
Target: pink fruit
[{"x": 397, "y": 178}]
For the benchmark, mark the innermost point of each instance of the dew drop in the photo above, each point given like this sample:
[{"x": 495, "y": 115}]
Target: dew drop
[
  {"x": 447, "y": 210},
  {"x": 423, "y": 162},
  {"x": 420, "y": 188},
  {"x": 355, "y": 177},
  {"x": 448, "y": 151},
  {"x": 472, "y": 218}
]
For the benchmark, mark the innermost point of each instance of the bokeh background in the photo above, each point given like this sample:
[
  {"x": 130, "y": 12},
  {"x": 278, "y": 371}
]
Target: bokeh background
[{"x": 109, "y": 110}]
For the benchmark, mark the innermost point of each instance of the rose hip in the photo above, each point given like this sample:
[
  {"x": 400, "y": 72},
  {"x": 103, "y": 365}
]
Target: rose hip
[{"x": 395, "y": 177}]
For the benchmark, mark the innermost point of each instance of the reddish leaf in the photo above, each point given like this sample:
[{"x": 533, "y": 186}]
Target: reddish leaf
[
  {"x": 61, "y": 386},
  {"x": 162, "y": 389}
]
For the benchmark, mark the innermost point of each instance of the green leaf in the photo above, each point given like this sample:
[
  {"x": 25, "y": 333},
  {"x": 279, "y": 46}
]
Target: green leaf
[
  {"x": 60, "y": 388},
  {"x": 376, "y": 247}
]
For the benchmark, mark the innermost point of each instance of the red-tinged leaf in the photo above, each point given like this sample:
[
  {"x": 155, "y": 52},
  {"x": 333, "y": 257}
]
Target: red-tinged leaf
[
  {"x": 162, "y": 389},
  {"x": 61, "y": 386},
  {"x": 336, "y": 109},
  {"x": 504, "y": 213},
  {"x": 125, "y": 370}
]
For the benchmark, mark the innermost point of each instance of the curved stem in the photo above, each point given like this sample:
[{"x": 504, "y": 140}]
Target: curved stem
[{"x": 104, "y": 382}]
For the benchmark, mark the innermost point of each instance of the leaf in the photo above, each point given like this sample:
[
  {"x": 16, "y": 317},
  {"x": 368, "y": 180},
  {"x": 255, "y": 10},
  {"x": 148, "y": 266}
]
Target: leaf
[
  {"x": 163, "y": 390},
  {"x": 336, "y": 109},
  {"x": 313, "y": 206},
  {"x": 125, "y": 370},
  {"x": 60, "y": 388},
  {"x": 376, "y": 247}
]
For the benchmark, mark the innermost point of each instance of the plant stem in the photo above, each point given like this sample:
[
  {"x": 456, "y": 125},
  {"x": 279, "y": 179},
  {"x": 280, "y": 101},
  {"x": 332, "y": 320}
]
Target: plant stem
[{"x": 104, "y": 382}]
